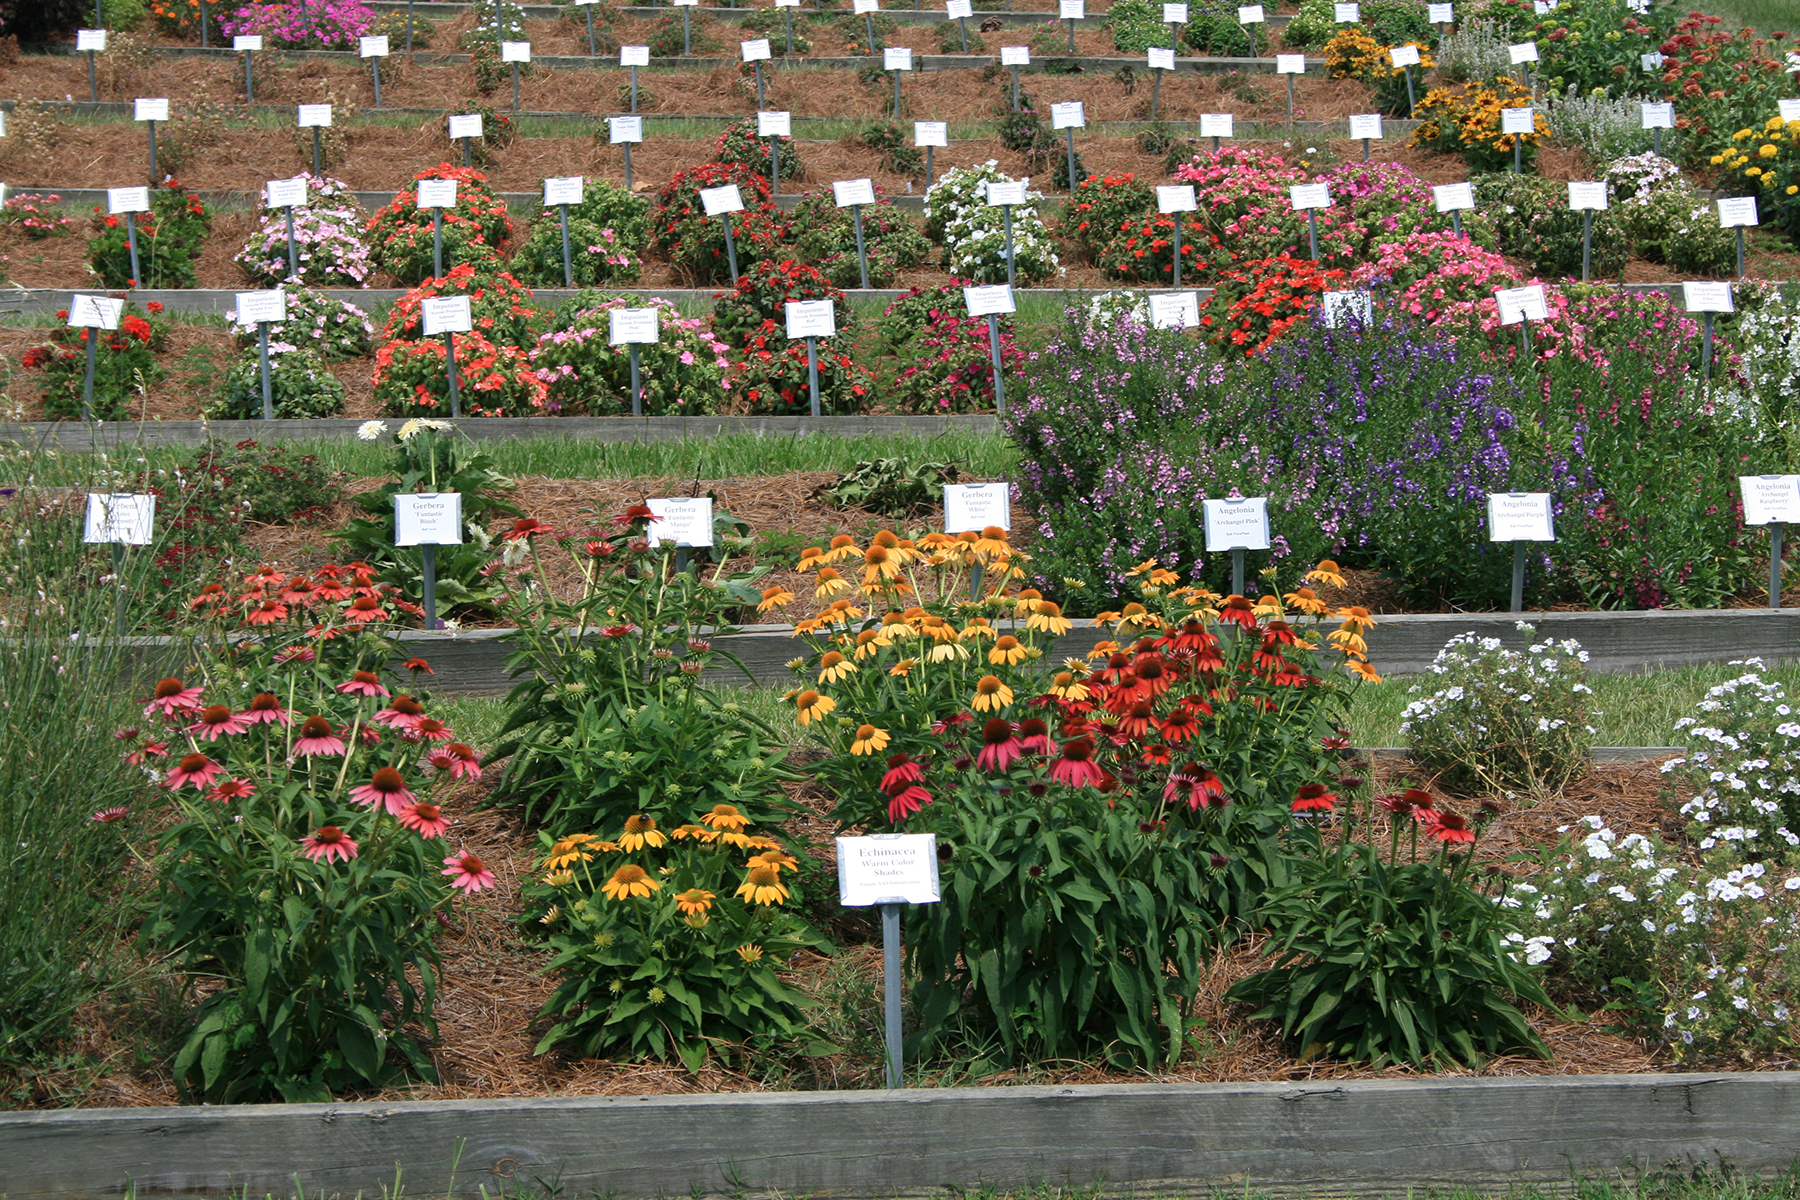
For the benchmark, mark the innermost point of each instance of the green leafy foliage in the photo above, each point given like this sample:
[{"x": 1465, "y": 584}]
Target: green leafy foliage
[
  {"x": 889, "y": 487},
  {"x": 168, "y": 238},
  {"x": 300, "y": 386}
]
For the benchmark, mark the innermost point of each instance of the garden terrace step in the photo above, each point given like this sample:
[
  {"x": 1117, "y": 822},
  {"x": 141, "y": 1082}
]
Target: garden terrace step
[{"x": 903, "y": 16}]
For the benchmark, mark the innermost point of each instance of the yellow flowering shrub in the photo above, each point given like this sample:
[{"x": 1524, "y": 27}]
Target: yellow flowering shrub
[
  {"x": 1466, "y": 120},
  {"x": 1353, "y": 54},
  {"x": 1765, "y": 162}
]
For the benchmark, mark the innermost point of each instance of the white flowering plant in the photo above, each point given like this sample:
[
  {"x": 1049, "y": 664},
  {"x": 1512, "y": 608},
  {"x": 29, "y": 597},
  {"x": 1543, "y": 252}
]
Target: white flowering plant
[
  {"x": 973, "y": 232},
  {"x": 1741, "y": 774},
  {"x": 1764, "y": 389},
  {"x": 1502, "y": 720}
]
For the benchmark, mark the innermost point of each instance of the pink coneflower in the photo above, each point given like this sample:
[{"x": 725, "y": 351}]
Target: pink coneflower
[
  {"x": 462, "y": 762},
  {"x": 196, "y": 769},
  {"x": 427, "y": 820},
  {"x": 467, "y": 873},
  {"x": 296, "y": 654},
  {"x": 1077, "y": 767},
  {"x": 108, "y": 816},
  {"x": 172, "y": 698},
  {"x": 147, "y": 750},
  {"x": 232, "y": 789},
  {"x": 368, "y": 735},
  {"x": 402, "y": 712},
  {"x": 388, "y": 787},
  {"x": 1034, "y": 737},
  {"x": 902, "y": 769},
  {"x": 318, "y": 738},
  {"x": 618, "y": 631},
  {"x": 905, "y": 799},
  {"x": 999, "y": 747},
  {"x": 265, "y": 709},
  {"x": 217, "y": 721},
  {"x": 428, "y": 729},
  {"x": 363, "y": 609},
  {"x": 1196, "y": 785},
  {"x": 128, "y": 734},
  {"x": 330, "y": 843},
  {"x": 363, "y": 683}
]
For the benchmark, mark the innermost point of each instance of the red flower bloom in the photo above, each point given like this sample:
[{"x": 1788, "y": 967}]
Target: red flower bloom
[
  {"x": 1313, "y": 796},
  {"x": 999, "y": 746},
  {"x": 526, "y": 527},
  {"x": 387, "y": 787},
  {"x": 363, "y": 683},
  {"x": 905, "y": 799},
  {"x": 1076, "y": 767},
  {"x": 1449, "y": 828},
  {"x": 902, "y": 768}
]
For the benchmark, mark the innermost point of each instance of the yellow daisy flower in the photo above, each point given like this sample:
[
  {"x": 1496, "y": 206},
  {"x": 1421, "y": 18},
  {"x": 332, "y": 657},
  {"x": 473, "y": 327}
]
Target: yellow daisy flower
[
  {"x": 991, "y": 695},
  {"x": 641, "y": 831},
  {"x": 810, "y": 706},
  {"x": 629, "y": 881},
  {"x": 869, "y": 740}
]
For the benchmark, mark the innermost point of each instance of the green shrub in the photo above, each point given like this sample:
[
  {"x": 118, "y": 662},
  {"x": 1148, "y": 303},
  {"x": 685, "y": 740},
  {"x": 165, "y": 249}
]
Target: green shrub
[
  {"x": 299, "y": 386},
  {"x": 168, "y": 238},
  {"x": 739, "y": 144},
  {"x": 1213, "y": 28},
  {"x": 1533, "y": 221},
  {"x": 125, "y": 362},
  {"x": 695, "y": 242},
  {"x": 1136, "y": 25},
  {"x": 825, "y": 236},
  {"x": 897, "y": 156},
  {"x": 330, "y": 328},
  {"x": 682, "y": 372},
  {"x": 597, "y": 254},
  {"x": 1101, "y": 207}
]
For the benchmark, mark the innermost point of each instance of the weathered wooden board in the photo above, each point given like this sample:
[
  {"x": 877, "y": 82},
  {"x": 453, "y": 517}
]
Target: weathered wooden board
[{"x": 1287, "y": 1138}]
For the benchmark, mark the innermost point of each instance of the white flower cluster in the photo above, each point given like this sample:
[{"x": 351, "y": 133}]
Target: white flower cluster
[
  {"x": 1107, "y": 309},
  {"x": 1742, "y": 769},
  {"x": 1765, "y": 390},
  {"x": 974, "y": 231}
]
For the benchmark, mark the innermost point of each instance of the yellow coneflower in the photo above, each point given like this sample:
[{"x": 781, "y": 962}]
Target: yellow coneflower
[
  {"x": 1066, "y": 686},
  {"x": 776, "y": 859},
  {"x": 977, "y": 628},
  {"x": 1327, "y": 572},
  {"x": 947, "y": 652},
  {"x": 871, "y": 642},
  {"x": 810, "y": 706},
  {"x": 809, "y": 625},
  {"x": 992, "y": 542},
  {"x": 844, "y": 610},
  {"x": 641, "y": 831},
  {"x": 1109, "y": 617},
  {"x": 1267, "y": 606},
  {"x": 936, "y": 628},
  {"x": 903, "y": 668},
  {"x": 868, "y": 740},
  {"x": 880, "y": 565},
  {"x": 1365, "y": 670},
  {"x": 1164, "y": 578},
  {"x": 1307, "y": 601},
  {"x": 1048, "y": 616},
  {"x": 569, "y": 851},
  {"x": 990, "y": 694},
  {"x": 834, "y": 667},
  {"x": 629, "y": 881},
  {"x": 1348, "y": 640},
  {"x": 842, "y": 546},
  {"x": 725, "y": 816},
  {"x": 774, "y": 597},
  {"x": 690, "y": 830},
  {"x": 1008, "y": 651},
  {"x": 1356, "y": 618},
  {"x": 750, "y": 953},
  {"x": 694, "y": 902},
  {"x": 907, "y": 551},
  {"x": 936, "y": 540},
  {"x": 810, "y": 558},
  {"x": 560, "y": 878},
  {"x": 1026, "y": 602},
  {"x": 1102, "y": 649},
  {"x": 762, "y": 886},
  {"x": 759, "y": 842},
  {"x": 830, "y": 584}
]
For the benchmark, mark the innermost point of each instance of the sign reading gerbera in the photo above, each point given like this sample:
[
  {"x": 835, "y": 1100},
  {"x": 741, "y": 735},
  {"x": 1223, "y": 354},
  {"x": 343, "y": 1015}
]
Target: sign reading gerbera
[
  {"x": 888, "y": 868},
  {"x": 1237, "y": 523},
  {"x": 686, "y": 521},
  {"x": 971, "y": 507},
  {"x": 428, "y": 519},
  {"x": 119, "y": 517}
]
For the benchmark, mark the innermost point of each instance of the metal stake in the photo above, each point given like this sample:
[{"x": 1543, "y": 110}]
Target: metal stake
[
  {"x": 628, "y": 158},
  {"x": 1071, "y": 132},
  {"x": 515, "y": 74},
  {"x": 318, "y": 168},
  {"x": 862, "y": 257},
  {"x": 455, "y": 393},
  {"x": 87, "y": 387},
  {"x": 890, "y": 989},
  {"x": 1177, "y": 217},
  {"x": 633, "y": 87},
  {"x": 268, "y": 393},
  {"x": 204, "y": 43},
  {"x": 994, "y": 349},
  {"x": 468, "y": 156},
  {"x": 896, "y": 95},
  {"x": 153, "y": 174},
  {"x": 1312, "y": 231},
  {"x": 760, "y": 102},
  {"x": 637, "y": 391},
  {"x": 1237, "y": 572},
  {"x": 1706, "y": 339},
  {"x": 788, "y": 14},
  {"x": 1775, "y": 532},
  {"x": 687, "y": 47},
  {"x": 1740, "y": 251},
  {"x": 428, "y": 554},
  {"x": 869, "y": 24},
  {"x": 812, "y": 371},
  {"x": 1365, "y": 143},
  {"x": 1006, "y": 212},
  {"x": 1155, "y": 92},
  {"x": 1518, "y": 580},
  {"x": 1071, "y": 37},
  {"x": 118, "y": 565},
  {"x": 1015, "y": 72},
  {"x": 375, "y": 66},
  {"x": 962, "y": 26},
  {"x": 1411, "y": 102},
  {"x": 568, "y": 264},
  {"x": 437, "y": 243},
  {"x": 589, "y": 10},
  {"x": 1587, "y": 242},
  {"x": 730, "y": 247},
  {"x": 93, "y": 87},
  {"x": 775, "y": 166},
  {"x": 137, "y": 278},
  {"x": 409, "y": 25},
  {"x": 249, "y": 82},
  {"x": 928, "y": 174}
]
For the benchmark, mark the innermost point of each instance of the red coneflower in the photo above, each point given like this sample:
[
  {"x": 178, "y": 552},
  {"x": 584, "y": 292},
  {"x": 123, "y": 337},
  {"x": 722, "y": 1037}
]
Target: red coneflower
[
  {"x": 426, "y": 820},
  {"x": 637, "y": 512},
  {"x": 363, "y": 683},
  {"x": 388, "y": 787},
  {"x": 1136, "y": 720},
  {"x": 196, "y": 769},
  {"x": 108, "y": 816},
  {"x": 330, "y": 843},
  {"x": 1410, "y": 801},
  {"x": 299, "y": 590},
  {"x": 415, "y": 665},
  {"x": 1313, "y": 796},
  {"x": 1155, "y": 755},
  {"x": 618, "y": 631},
  {"x": 147, "y": 750},
  {"x": 1239, "y": 611},
  {"x": 999, "y": 746},
  {"x": 265, "y": 709},
  {"x": 212, "y": 593},
  {"x": 217, "y": 721},
  {"x": 318, "y": 737},
  {"x": 428, "y": 729},
  {"x": 296, "y": 654},
  {"x": 130, "y": 733},
  {"x": 905, "y": 799},
  {"x": 1197, "y": 785},
  {"x": 172, "y": 698},
  {"x": 902, "y": 769},
  {"x": 1449, "y": 828},
  {"x": 1034, "y": 737},
  {"x": 1180, "y": 725},
  {"x": 467, "y": 873},
  {"x": 1076, "y": 767},
  {"x": 402, "y": 712},
  {"x": 526, "y": 527},
  {"x": 232, "y": 789},
  {"x": 463, "y": 763},
  {"x": 364, "y": 609},
  {"x": 267, "y": 612},
  {"x": 1153, "y": 676}
]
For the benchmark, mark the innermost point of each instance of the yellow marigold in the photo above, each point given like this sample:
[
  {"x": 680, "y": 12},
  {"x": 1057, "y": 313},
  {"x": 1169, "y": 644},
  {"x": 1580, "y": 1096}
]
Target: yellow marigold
[
  {"x": 868, "y": 740},
  {"x": 725, "y": 816},
  {"x": 641, "y": 831},
  {"x": 762, "y": 886},
  {"x": 628, "y": 881},
  {"x": 810, "y": 706},
  {"x": 990, "y": 694},
  {"x": 1768, "y": 150}
]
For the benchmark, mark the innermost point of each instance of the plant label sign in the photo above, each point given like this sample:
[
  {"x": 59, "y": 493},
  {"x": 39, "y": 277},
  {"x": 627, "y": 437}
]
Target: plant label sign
[
  {"x": 123, "y": 517},
  {"x": 1790, "y": 109},
  {"x": 247, "y": 41},
  {"x": 721, "y": 200},
  {"x": 1524, "y": 52},
  {"x": 95, "y": 40},
  {"x": 150, "y": 110},
  {"x": 774, "y": 124},
  {"x": 888, "y": 868},
  {"x": 1518, "y": 120},
  {"x": 859, "y": 7},
  {"x": 634, "y": 56},
  {"x": 1250, "y": 14},
  {"x": 994, "y": 298},
  {"x": 625, "y": 129},
  {"x": 1010, "y": 192},
  {"x": 1175, "y": 310},
  {"x": 1366, "y": 125},
  {"x": 896, "y": 58},
  {"x": 850, "y": 193},
  {"x": 1708, "y": 297},
  {"x": 1068, "y": 115},
  {"x": 1404, "y": 56},
  {"x": 1659, "y": 116},
  {"x": 1179, "y": 198},
  {"x": 1015, "y": 56},
  {"x": 437, "y": 193},
  {"x": 95, "y": 312},
  {"x": 811, "y": 319},
  {"x": 287, "y": 193},
  {"x": 1440, "y": 14},
  {"x": 1071, "y": 10},
  {"x": 1215, "y": 125},
  {"x": 515, "y": 52},
  {"x": 127, "y": 200},
  {"x": 1769, "y": 499},
  {"x": 1290, "y": 64},
  {"x": 446, "y": 314},
  {"x": 756, "y": 50},
  {"x": 1340, "y": 308},
  {"x": 562, "y": 189},
  {"x": 465, "y": 125},
  {"x": 1175, "y": 14},
  {"x": 428, "y": 519},
  {"x": 972, "y": 507},
  {"x": 787, "y": 3},
  {"x": 315, "y": 114},
  {"x": 1241, "y": 523},
  {"x": 1739, "y": 210},
  {"x": 1345, "y": 14},
  {"x": 687, "y": 3},
  {"x": 1309, "y": 195},
  {"x": 1521, "y": 304},
  {"x": 1451, "y": 197},
  {"x": 931, "y": 133},
  {"x": 1161, "y": 58},
  {"x": 1520, "y": 517},
  {"x": 1540, "y": 7},
  {"x": 253, "y": 308},
  {"x": 372, "y": 47},
  {"x": 684, "y": 520},
  {"x": 628, "y": 325},
  {"x": 958, "y": 10},
  {"x": 1587, "y": 196}
]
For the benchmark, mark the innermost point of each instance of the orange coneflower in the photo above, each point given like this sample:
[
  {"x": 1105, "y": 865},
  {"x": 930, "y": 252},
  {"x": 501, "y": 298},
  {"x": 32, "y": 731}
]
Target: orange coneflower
[
  {"x": 842, "y": 546},
  {"x": 830, "y": 584},
  {"x": 834, "y": 667},
  {"x": 762, "y": 886},
  {"x": 869, "y": 740},
  {"x": 990, "y": 694},
  {"x": 641, "y": 831},
  {"x": 810, "y": 705}
]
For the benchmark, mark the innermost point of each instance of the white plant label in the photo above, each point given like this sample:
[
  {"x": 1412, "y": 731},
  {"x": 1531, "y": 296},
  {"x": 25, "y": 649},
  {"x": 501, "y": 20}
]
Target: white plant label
[
  {"x": 1524, "y": 52},
  {"x": 1708, "y": 297},
  {"x": 1250, "y": 14},
  {"x": 1067, "y": 115},
  {"x": 562, "y": 189},
  {"x": 95, "y": 312},
  {"x": 1175, "y": 310},
  {"x": 1739, "y": 210},
  {"x": 1366, "y": 125},
  {"x": 1587, "y": 197},
  {"x": 1520, "y": 517},
  {"x": 437, "y": 193},
  {"x": 312, "y": 115},
  {"x": 372, "y": 47},
  {"x": 888, "y": 868},
  {"x": 150, "y": 110},
  {"x": 931, "y": 133},
  {"x": 123, "y": 517},
  {"x": 1071, "y": 10},
  {"x": 287, "y": 193},
  {"x": 1770, "y": 498},
  {"x": 851, "y": 193},
  {"x": 859, "y": 7},
  {"x": 1540, "y": 7},
  {"x": 1659, "y": 116},
  {"x": 1404, "y": 56},
  {"x": 625, "y": 129},
  {"x": 1440, "y": 14},
  {"x": 756, "y": 50},
  {"x": 253, "y": 308},
  {"x": 1521, "y": 304},
  {"x": 1161, "y": 58},
  {"x": 996, "y": 298},
  {"x": 1337, "y": 309},
  {"x": 95, "y": 40},
  {"x": 684, "y": 520},
  {"x": 1215, "y": 125},
  {"x": 428, "y": 519},
  {"x": 811, "y": 318},
  {"x": 1015, "y": 56},
  {"x": 1241, "y": 524},
  {"x": 1652, "y": 61},
  {"x": 1450, "y": 197},
  {"x": 1346, "y": 14},
  {"x": 1309, "y": 195},
  {"x": 446, "y": 314},
  {"x": 1175, "y": 14},
  {"x": 515, "y": 52},
  {"x": 787, "y": 3},
  {"x": 1790, "y": 109},
  {"x": 1518, "y": 120},
  {"x": 626, "y": 326},
  {"x": 972, "y": 507},
  {"x": 1175, "y": 198},
  {"x": 1290, "y": 64},
  {"x": 721, "y": 200},
  {"x": 958, "y": 10},
  {"x": 634, "y": 56},
  {"x": 774, "y": 124},
  {"x": 465, "y": 125},
  {"x": 1010, "y": 192},
  {"x": 127, "y": 200},
  {"x": 2, "y": 124},
  {"x": 896, "y": 58},
  {"x": 687, "y": 3},
  {"x": 250, "y": 41}
]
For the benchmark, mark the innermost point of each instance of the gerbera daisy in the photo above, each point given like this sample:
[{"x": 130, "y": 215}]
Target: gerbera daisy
[
  {"x": 265, "y": 709},
  {"x": 363, "y": 683},
  {"x": 869, "y": 740},
  {"x": 1076, "y": 767},
  {"x": 402, "y": 712},
  {"x": 725, "y": 816},
  {"x": 811, "y": 706},
  {"x": 329, "y": 843},
  {"x": 426, "y": 820},
  {"x": 467, "y": 873},
  {"x": 1314, "y": 796},
  {"x": 317, "y": 736},
  {"x": 990, "y": 694},
  {"x": 762, "y": 886},
  {"x": 694, "y": 902},
  {"x": 196, "y": 769},
  {"x": 386, "y": 787},
  {"x": 172, "y": 698},
  {"x": 232, "y": 789},
  {"x": 999, "y": 746}
]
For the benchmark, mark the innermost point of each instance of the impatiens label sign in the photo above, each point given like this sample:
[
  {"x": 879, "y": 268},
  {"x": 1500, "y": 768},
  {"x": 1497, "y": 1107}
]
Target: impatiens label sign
[
  {"x": 756, "y": 50},
  {"x": 995, "y": 299},
  {"x": 1309, "y": 195},
  {"x": 253, "y": 308},
  {"x": 1175, "y": 14},
  {"x": 564, "y": 189},
  {"x": 437, "y": 193},
  {"x": 1215, "y": 125},
  {"x": 811, "y": 319},
  {"x": 311, "y": 115},
  {"x": 931, "y": 133},
  {"x": 721, "y": 200},
  {"x": 849, "y": 193},
  {"x": 1739, "y": 210},
  {"x": 428, "y": 519},
  {"x": 287, "y": 193},
  {"x": 972, "y": 507},
  {"x": 686, "y": 521},
  {"x": 1015, "y": 56},
  {"x": 1440, "y": 14},
  {"x": 774, "y": 124},
  {"x": 95, "y": 312},
  {"x": 1707, "y": 297},
  {"x": 119, "y": 517},
  {"x": 626, "y": 326},
  {"x": 1161, "y": 58},
  {"x": 1071, "y": 10},
  {"x": 465, "y": 125},
  {"x": 1587, "y": 196},
  {"x": 888, "y": 868},
  {"x": 1520, "y": 517},
  {"x": 958, "y": 10},
  {"x": 446, "y": 314},
  {"x": 1340, "y": 308},
  {"x": 95, "y": 40},
  {"x": 625, "y": 129},
  {"x": 1011, "y": 191},
  {"x": 1175, "y": 310},
  {"x": 1250, "y": 14},
  {"x": 1771, "y": 499},
  {"x": 634, "y": 56},
  {"x": 1176, "y": 198},
  {"x": 1451, "y": 197},
  {"x": 1521, "y": 304},
  {"x": 1238, "y": 523},
  {"x": 1068, "y": 115}
]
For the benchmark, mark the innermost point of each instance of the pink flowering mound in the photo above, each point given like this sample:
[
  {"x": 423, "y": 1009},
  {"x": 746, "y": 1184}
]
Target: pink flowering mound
[
  {"x": 1429, "y": 272},
  {"x": 321, "y": 24}
]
